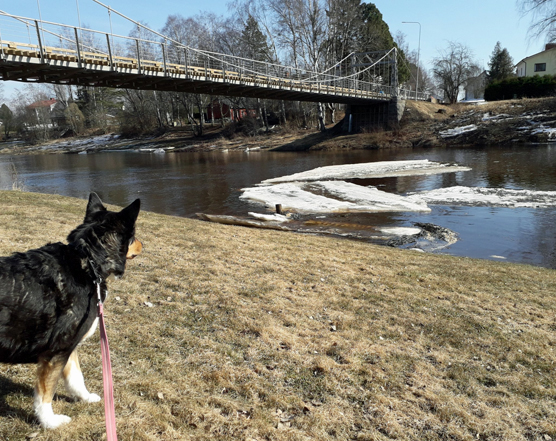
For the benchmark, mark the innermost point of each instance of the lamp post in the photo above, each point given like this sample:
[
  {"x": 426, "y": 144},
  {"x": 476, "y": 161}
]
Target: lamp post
[{"x": 418, "y": 55}]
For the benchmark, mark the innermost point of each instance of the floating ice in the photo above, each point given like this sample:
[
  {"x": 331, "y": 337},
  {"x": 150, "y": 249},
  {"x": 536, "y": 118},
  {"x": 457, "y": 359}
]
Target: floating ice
[
  {"x": 384, "y": 169},
  {"x": 493, "y": 197},
  {"x": 372, "y": 197},
  {"x": 269, "y": 217},
  {"x": 303, "y": 198},
  {"x": 400, "y": 231}
]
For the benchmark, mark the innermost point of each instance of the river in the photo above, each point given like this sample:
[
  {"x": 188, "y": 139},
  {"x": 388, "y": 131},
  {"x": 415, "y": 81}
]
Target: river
[{"x": 183, "y": 184}]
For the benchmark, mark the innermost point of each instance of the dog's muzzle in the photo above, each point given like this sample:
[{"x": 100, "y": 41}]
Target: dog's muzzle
[{"x": 134, "y": 249}]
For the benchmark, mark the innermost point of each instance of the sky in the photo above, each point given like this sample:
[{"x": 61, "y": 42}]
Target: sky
[{"x": 478, "y": 24}]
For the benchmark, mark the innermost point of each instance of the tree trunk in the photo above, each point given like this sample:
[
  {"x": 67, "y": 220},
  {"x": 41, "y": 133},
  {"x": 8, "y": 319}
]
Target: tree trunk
[
  {"x": 221, "y": 115},
  {"x": 265, "y": 117},
  {"x": 321, "y": 125},
  {"x": 332, "y": 108}
]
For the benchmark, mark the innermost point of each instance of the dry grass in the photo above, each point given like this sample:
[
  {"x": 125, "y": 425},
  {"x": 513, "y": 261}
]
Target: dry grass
[{"x": 263, "y": 335}]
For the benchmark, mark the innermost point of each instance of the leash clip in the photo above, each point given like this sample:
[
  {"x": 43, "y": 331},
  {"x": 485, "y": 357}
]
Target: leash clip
[{"x": 99, "y": 298}]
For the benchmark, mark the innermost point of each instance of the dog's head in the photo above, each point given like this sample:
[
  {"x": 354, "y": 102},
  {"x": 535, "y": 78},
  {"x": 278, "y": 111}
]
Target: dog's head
[{"x": 107, "y": 238}]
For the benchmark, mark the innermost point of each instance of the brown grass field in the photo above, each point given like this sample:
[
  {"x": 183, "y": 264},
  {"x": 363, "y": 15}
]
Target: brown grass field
[{"x": 265, "y": 335}]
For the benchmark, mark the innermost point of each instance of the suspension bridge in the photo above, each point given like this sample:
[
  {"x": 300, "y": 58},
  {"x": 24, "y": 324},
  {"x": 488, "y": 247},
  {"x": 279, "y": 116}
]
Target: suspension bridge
[{"x": 37, "y": 51}]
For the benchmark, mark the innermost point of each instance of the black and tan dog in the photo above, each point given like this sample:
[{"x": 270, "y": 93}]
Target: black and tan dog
[{"x": 48, "y": 300}]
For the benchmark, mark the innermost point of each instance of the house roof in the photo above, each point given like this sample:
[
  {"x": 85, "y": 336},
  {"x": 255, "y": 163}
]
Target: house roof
[
  {"x": 548, "y": 49},
  {"x": 42, "y": 103}
]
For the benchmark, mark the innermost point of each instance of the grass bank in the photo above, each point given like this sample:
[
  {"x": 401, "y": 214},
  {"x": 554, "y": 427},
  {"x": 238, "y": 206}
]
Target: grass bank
[{"x": 227, "y": 333}]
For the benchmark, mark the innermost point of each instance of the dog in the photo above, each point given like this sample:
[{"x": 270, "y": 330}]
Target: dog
[{"x": 49, "y": 299}]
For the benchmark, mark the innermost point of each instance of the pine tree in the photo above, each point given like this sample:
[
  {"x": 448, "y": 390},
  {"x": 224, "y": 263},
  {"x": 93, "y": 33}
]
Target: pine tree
[
  {"x": 254, "y": 42},
  {"x": 375, "y": 35},
  {"x": 500, "y": 64},
  {"x": 7, "y": 118}
]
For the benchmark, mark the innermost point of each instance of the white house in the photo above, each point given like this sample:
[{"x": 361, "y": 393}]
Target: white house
[
  {"x": 475, "y": 87},
  {"x": 542, "y": 63}
]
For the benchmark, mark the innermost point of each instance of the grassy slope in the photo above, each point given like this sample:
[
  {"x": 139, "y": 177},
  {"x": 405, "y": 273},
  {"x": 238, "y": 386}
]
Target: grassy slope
[{"x": 258, "y": 335}]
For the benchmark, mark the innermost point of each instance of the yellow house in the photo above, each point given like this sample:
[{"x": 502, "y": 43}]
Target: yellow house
[{"x": 543, "y": 63}]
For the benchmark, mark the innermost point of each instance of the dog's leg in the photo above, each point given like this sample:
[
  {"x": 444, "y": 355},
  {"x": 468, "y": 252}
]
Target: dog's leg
[
  {"x": 48, "y": 374},
  {"x": 75, "y": 383}
]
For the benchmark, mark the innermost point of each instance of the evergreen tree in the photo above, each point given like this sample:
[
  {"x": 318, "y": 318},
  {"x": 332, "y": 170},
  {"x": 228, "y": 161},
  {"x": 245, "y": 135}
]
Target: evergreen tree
[
  {"x": 501, "y": 65},
  {"x": 7, "y": 118},
  {"x": 253, "y": 42},
  {"x": 375, "y": 35}
]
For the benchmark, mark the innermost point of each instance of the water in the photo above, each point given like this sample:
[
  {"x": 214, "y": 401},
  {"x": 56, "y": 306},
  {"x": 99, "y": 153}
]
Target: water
[{"x": 183, "y": 184}]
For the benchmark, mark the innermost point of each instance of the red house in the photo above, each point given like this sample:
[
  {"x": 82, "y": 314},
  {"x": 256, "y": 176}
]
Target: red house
[{"x": 222, "y": 110}]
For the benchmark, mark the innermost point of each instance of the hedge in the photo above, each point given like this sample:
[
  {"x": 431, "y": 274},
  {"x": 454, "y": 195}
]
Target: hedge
[{"x": 521, "y": 87}]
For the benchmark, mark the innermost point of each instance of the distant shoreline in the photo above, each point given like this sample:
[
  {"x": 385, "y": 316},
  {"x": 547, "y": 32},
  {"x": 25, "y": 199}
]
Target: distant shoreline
[{"x": 423, "y": 125}]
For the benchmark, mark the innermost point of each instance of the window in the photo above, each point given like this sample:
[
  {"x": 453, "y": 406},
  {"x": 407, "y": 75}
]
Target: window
[{"x": 540, "y": 67}]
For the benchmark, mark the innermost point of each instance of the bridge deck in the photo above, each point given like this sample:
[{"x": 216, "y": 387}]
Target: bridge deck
[{"x": 24, "y": 62}]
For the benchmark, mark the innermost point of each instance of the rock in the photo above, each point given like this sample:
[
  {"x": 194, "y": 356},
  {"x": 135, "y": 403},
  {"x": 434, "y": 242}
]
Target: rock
[{"x": 431, "y": 237}]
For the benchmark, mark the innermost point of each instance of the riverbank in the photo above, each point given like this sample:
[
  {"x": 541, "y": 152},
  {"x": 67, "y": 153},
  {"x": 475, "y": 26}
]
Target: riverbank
[
  {"x": 223, "y": 332},
  {"x": 423, "y": 125}
]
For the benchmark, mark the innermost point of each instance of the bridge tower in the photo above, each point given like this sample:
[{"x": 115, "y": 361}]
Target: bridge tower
[{"x": 376, "y": 66}]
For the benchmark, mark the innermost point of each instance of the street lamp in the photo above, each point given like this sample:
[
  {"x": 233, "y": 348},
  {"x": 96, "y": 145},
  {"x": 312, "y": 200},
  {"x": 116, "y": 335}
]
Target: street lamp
[{"x": 418, "y": 55}]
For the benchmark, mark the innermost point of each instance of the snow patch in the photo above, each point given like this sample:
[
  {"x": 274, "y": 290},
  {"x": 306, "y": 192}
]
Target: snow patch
[
  {"x": 489, "y": 117},
  {"x": 457, "y": 131},
  {"x": 550, "y": 132}
]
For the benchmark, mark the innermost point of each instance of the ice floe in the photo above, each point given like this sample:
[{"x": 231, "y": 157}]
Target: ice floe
[
  {"x": 383, "y": 169},
  {"x": 303, "y": 197},
  {"x": 324, "y": 189},
  {"x": 492, "y": 197},
  {"x": 400, "y": 231},
  {"x": 372, "y": 197},
  {"x": 269, "y": 217}
]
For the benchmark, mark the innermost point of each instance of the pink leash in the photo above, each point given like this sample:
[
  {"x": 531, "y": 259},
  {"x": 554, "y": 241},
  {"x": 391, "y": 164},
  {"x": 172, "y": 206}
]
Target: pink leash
[{"x": 109, "y": 410}]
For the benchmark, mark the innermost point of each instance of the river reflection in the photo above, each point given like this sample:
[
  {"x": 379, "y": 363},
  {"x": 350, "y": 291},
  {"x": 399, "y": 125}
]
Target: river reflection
[{"x": 183, "y": 184}]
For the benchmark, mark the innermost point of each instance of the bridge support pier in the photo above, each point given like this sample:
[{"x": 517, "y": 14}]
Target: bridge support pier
[{"x": 380, "y": 115}]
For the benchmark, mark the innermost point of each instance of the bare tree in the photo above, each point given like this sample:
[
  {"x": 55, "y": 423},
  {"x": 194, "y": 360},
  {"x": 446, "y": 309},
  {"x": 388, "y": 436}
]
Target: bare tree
[
  {"x": 33, "y": 117},
  {"x": 419, "y": 77},
  {"x": 142, "y": 48},
  {"x": 543, "y": 14},
  {"x": 453, "y": 68}
]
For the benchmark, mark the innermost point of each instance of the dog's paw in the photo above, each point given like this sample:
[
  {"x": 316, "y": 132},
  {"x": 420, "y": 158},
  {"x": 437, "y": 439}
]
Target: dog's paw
[
  {"x": 54, "y": 421},
  {"x": 92, "y": 398}
]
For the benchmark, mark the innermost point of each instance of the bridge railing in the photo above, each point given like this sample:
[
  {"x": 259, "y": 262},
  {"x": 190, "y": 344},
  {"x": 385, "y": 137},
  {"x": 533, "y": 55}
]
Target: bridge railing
[{"x": 56, "y": 43}]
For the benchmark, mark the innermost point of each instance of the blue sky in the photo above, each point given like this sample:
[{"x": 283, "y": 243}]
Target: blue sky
[{"x": 478, "y": 24}]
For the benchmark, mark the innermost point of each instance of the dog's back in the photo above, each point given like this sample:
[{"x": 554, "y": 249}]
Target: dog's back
[
  {"x": 46, "y": 304},
  {"x": 48, "y": 300}
]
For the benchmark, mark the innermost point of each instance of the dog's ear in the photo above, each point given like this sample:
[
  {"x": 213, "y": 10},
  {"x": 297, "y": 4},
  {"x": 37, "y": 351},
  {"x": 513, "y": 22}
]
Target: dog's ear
[
  {"x": 129, "y": 214},
  {"x": 94, "y": 205}
]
